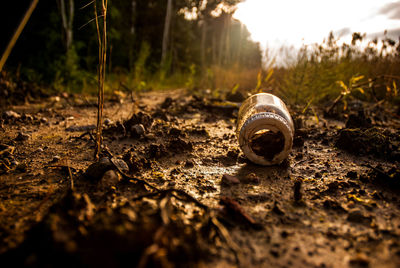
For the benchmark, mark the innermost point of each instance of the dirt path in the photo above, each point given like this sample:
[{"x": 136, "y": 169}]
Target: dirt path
[{"x": 324, "y": 207}]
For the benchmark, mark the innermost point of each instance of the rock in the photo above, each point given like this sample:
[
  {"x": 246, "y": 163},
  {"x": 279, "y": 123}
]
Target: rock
[
  {"x": 107, "y": 122},
  {"x": 56, "y": 158},
  {"x": 333, "y": 204},
  {"x": 11, "y": 115},
  {"x": 44, "y": 120},
  {"x": 357, "y": 216},
  {"x": 360, "y": 260},
  {"x": 352, "y": 174},
  {"x": 22, "y": 136},
  {"x": 157, "y": 150},
  {"x": 359, "y": 120},
  {"x": 332, "y": 187},
  {"x": 167, "y": 103},
  {"x": 252, "y": 178},
  {"x": 372, "y": 141},
  {"x": 277, "y": 210},
  {"x": 110, "y": 178},
  {"x": 229, "y": 180},
  {"x": 178, "y": 145},
  {"x": 27, "y": 117},
  {"x": 175, "y": 132},
  {"x": 120, "y": 165},
  {"x": 139, "y": 118},
  {"x": 39, "y": 150},
  {"x": 138, "y": 130},
  {"x": 189, "y": 163},
  {"x": 96, "y": 170},
  {"x": 233, "y": 154}
]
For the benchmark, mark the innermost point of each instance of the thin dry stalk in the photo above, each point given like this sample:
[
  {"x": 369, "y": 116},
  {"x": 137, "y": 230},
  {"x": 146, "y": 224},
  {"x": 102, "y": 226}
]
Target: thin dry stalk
[
  {"x": 101, "y": 71},
  {"x": 17, "y": 33}
]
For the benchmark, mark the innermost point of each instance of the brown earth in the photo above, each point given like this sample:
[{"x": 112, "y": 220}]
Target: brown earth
[{"x": 173, "y": 189}]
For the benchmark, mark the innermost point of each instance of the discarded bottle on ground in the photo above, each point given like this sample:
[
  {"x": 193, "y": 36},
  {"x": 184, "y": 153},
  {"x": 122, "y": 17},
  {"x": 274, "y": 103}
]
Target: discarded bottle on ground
[{"x": 265, "y": 129}]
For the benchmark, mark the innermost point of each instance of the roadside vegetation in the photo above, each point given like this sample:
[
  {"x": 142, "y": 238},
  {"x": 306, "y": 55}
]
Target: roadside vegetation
[{"x": 194, "y": 45}]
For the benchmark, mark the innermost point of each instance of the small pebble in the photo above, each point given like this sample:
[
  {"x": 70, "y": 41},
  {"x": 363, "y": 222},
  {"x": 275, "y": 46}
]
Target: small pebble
[
  {"x": 107, "y": 121},
  {"x": 56, "y": 158},
  {"x": 21, "y": 167},
  {"x": 360, "y": 260},
  {"x": 229, "y": 180},
  {"x": 352, "y": 174},
  {"x": 22, "y": 136},
  {"x": 11, "y": 115},
  {"x": 27, "y": 117},
  {"x": 189, "y": 163},
  {"x": 252, "y": 178},
  {"x": 138, "y": 129}
]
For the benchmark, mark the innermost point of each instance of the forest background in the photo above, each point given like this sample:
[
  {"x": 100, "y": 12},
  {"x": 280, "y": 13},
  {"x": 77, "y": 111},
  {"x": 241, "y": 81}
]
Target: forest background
[{"x": 192, "y": 44}]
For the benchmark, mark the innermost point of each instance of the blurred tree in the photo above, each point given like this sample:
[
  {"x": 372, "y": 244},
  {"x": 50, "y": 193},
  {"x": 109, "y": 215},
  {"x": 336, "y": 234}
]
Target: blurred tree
[
  {"x": 145, "y": 38},
  {"x": 67, "y": 22},
  {"x": 166, "y": 34}
]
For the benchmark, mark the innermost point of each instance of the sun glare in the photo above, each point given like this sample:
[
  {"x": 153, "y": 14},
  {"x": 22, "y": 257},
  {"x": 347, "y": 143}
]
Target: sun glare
[{"x": 294, "y": 23}]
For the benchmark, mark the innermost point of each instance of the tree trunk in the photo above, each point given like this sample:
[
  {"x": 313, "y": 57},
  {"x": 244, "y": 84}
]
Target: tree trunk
[
  {"x": 239, "y": 46},
  {"x": 132, "y": 34},
  {"x": 214, "y": 48},
  {"x": 166, "y": 32},
  {"x": 227, "y": 49},
  {"x": 67, "y": 22},
  {"x": 203, "y": 45},
  {"x": 221, "y": 43}
]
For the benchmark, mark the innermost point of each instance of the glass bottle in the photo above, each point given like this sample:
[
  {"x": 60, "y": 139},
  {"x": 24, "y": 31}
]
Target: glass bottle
[{"x": 265, "y": 129}]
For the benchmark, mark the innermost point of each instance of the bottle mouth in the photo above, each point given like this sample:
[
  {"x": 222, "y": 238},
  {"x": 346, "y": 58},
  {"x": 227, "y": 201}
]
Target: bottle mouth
[
  {"x": 267, "y": 143},
  {"x": 266, "y": 138}
]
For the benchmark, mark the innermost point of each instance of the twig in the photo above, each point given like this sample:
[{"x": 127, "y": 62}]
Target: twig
[
  {"x": 88, "y": 4},
  {"x": 172, "y": 191},
  {"x": 80, "y": 28},
  {"x": 71, "y": 178},
  {"x": 225, "y": 235},
  {"x": 126, "y": 176},
  {"x": 47, "y": 197},
  {"x": 87, "y": 133}
]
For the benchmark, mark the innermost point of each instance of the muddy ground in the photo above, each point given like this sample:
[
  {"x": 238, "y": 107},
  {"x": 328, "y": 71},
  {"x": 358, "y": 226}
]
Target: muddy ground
[{"x": 173, "y": 189}]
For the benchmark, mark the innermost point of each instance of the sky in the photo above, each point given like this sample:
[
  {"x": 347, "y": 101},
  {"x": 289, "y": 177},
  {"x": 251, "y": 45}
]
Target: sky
[{"x": 274, "y": 23}]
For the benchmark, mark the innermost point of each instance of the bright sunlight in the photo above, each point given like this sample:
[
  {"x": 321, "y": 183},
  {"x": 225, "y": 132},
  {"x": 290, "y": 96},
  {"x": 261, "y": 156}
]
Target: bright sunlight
[{"x": 294, "y": 23}]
